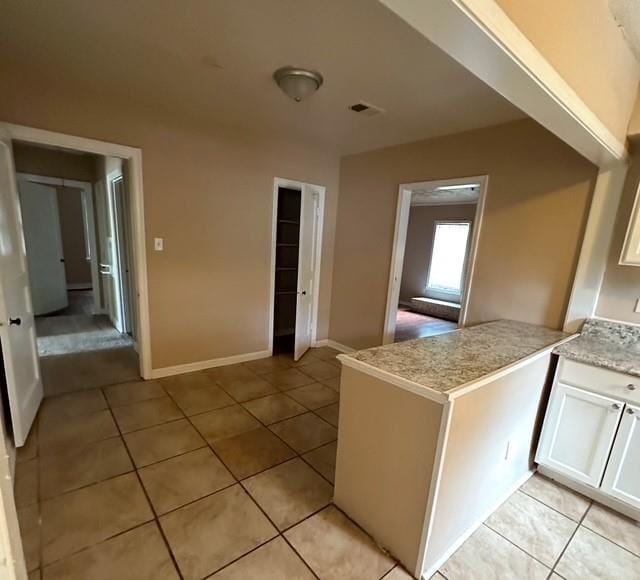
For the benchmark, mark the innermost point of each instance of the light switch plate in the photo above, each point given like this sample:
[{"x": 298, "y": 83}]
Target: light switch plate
[
  {"x": 158, "y": 244},
  {"x": 637, "y": 308}
]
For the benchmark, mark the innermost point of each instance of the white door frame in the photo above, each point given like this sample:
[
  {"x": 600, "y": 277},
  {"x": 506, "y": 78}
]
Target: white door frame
[
  {"x": 279, "y": 182},
  {"x": 134, "y": 157},
  {"x": 88, "y": 218},
  {"x": 400, "y": 241}
]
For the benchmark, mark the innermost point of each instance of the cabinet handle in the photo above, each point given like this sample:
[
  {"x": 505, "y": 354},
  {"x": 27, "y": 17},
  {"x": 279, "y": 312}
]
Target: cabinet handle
[
  {"x": 631, "y": 411},
  {"x": 631, "y": 387},
  {"x": 615, "y": 406}
]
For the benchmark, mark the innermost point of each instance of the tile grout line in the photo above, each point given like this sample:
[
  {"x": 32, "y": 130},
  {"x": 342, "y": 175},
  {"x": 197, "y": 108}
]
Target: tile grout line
[
  {"x": 246, "y": 491},
  {"x": 280, "y": 533},
  {"x": 144, "y": 491},
  {"x": 136, "y": 468},
  {"x": 562, "y": 553},
  {"x": 552, "y": 507},
  {"x": 547, "y": 566}
]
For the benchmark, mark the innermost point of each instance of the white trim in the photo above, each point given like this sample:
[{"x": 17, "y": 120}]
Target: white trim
[
  {"x": 208, "y": 364},
  {"x": 89, "y": 217},
  {"x": 338, "y": 346},
  {"x": 400, "y": 241},
  {"x": 462, "y": 538},
  {"x": 596, "y": 242},
  {"x": 482, "y": 38},
  {"x": 85, "y": 286},
  {"x": 434, "y": 487},
  {"x": 134, "y": 157},
  {"x": 279, "y": 182}
]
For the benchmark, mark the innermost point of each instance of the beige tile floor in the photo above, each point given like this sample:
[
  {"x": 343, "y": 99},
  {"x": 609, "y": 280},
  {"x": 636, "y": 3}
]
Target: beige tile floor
[{"x": 227, "y": 474}]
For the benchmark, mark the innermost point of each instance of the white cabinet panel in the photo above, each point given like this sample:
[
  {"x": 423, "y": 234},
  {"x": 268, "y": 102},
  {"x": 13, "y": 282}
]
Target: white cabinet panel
[
  {"x": 578, "y": 433},
  {"x": 622, "y": 478}
]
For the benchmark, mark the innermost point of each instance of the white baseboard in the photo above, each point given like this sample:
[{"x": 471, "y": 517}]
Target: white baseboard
[
  {"x": 86, "y": 286},
  {"x": 208, "y": 364},
  {"x": 427, "y": 574},
  {"x": 333, "y": 344},
  {"x": 341, "y": 347}
]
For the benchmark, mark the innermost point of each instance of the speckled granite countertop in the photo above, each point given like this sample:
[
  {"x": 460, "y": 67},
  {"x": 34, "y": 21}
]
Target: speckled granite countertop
[
  {"x": 609, "y": 345},
  {"x": 450, "y": 360}
]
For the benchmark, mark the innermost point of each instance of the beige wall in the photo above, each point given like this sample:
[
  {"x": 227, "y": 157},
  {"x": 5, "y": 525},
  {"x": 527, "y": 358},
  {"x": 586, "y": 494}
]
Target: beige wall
[
  {"x": 584, "y": 44},
  {"x": 415, "y": 267},
  {"x": 621, "y": 286},
  {"x": 208, "y": 193},
  {"x": 633, "y": 130},
  {"x": 538, "y": 196},
  {"x": 53, "y": 163},
  {"x": 77, "y": 268}
]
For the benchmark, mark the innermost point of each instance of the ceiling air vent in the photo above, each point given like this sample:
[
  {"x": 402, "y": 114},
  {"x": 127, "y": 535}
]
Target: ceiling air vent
[{"x": 366, "y": 109}]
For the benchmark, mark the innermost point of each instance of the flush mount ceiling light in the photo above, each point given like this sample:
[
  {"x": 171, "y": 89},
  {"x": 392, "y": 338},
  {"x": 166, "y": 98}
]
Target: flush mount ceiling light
[{"x": 296, "y": 82}]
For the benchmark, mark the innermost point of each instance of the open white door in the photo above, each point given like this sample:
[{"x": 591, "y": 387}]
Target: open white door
[
  {"x": 17, "y": 329},
  {"x": 121, "y": 256},
  {"x": 12, "y": 562},
  {"x": 306, "y": 269},
  {"x": 43, "y": 240}
]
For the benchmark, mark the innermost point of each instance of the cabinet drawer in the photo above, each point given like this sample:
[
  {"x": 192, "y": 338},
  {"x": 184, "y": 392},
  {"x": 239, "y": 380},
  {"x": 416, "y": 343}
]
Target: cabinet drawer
[{"x": 599, "y": 380}]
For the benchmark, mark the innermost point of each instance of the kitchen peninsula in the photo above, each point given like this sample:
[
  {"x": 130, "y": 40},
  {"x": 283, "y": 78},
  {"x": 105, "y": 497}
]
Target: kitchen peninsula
[{"x": 436, "y": 433}]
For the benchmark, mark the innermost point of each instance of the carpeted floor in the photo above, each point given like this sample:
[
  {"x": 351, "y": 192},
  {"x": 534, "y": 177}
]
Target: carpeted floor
[
  {"x": 79, "y": 350},
  {"x": 77, "y": 333}
]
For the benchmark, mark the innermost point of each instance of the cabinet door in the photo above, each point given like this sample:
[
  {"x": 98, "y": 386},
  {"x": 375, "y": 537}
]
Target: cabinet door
[
  {"x": 578, "y": 433},
  {"x": 622, "y": 477}
]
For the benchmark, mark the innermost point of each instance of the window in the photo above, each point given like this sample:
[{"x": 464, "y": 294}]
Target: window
[{"x": 448, "y": 258}]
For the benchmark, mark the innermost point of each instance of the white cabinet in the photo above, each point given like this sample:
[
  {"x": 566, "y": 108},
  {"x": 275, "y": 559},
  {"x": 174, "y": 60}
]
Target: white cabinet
[
  {"x": 578, "y": 433},
  {"x": 622, "y": 478},
  {"x": 590, "y": 438}
]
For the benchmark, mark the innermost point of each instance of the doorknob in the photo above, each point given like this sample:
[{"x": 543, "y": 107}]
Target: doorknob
[{"x": 15, "y": 321}]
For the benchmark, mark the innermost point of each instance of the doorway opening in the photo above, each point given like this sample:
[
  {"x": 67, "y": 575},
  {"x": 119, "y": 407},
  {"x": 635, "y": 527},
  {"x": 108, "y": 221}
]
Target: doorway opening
[
  {"x": 77, "y": 237},
  {"x": 437, "y": 231},
  {"x": 298, "y": 210},
  {"x": 73, "y": 298}
]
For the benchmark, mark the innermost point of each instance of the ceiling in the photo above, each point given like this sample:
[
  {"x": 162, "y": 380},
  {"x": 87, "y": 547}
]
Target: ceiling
[
  {"x": 627, "y": 15},
  {"x": 444, "y": 196},
  {"x": 213, "y": 59}
]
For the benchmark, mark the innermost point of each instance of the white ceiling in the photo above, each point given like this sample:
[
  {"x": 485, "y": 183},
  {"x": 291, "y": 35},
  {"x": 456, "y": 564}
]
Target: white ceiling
[
  {"x": 213, "y": 59},
  {"x": 627, "y": 15},
  {"x": 443, "y": 196}
]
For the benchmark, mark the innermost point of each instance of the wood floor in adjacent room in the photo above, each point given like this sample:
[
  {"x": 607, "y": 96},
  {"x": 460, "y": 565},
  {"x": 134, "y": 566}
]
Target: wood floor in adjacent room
[{"x": 410, "y": 325}]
